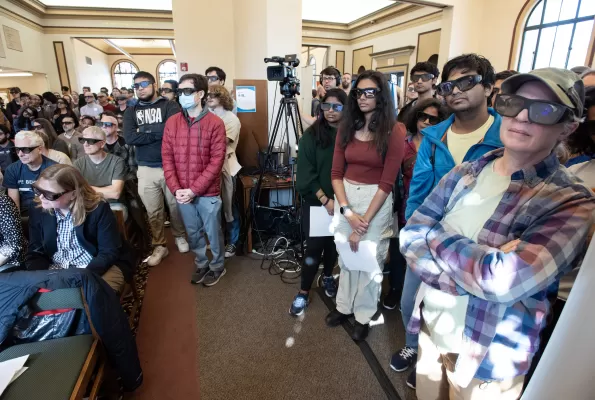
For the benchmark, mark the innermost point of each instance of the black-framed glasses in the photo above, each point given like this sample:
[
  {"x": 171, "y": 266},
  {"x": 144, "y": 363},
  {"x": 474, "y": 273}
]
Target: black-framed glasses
[
  {"x": 143, "y": 84},
  {"x": 105, "y": 124},
  {"x": 37, "y": 127},
  {"x": 61, "y": 102},
  {"x": 539, "y": 111},
  {"x": 369, "y": 93},
  {"x": 186, "y": 91},
  {"x": 89, "y": 141},
  {"x": 213, "y": 78},
  {"x": 326, "y": 78},
  {"x": 423, "y": 77},
  {"x": 25, "y": 150},
  {"x": 51, "y": 196},
  {"x": 13, "y": 92},
  {"x": 212, "y": 95},
  {"x": 67, "y": 123},
  {"x": 166, "y": 90},
  {"x": 337, "y": 107},
  {"x": 464, "y": 84},
  {"x": 411, "y": 89},
  {"x": 423, "y": 117},
  {"x": 120, "y": 98}
]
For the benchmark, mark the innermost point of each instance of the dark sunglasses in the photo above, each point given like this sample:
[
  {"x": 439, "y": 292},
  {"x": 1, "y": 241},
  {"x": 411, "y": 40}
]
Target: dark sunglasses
[
  {"x": 89, "y": 141},
  {"x": 47, "y": 195},
  {"x": 423, "y": 117},
  {"x": 186, "y": 91},
  {"x": 335, "y": 106},
  {"x": 143, "y": 84},
  {"x": 105, "y": 124},
  {"x": 37, "y": 127},
  {"x": 120, "y": 98},
  {"x": 213, "y": 95},
  {"x": 213, "y": 78},
  {"x": 61, "y": 102},
  {"x": 539, "y": 112},
  {"x": 166, "y": 90},
  {"x": 464, "y": 84},
  {"x": 66, "y": 123},
  {"x": 423, "y": 77},
  {"x": 369, "y": 93},
  {"x": 13, "y": 92},
  {"x": 25, "y": 150}
]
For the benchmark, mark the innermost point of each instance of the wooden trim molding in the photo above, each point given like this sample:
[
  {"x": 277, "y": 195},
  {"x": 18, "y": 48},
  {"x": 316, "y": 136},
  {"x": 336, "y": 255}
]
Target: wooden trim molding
[
  {"x": 159, "y": 66},
  {"x": 61, "y": 63},
  {"x": 517, "y": 36},
  {"x": 419, "y": 37},
  {"x": 353, "y": 68},
  {"x": 340, "y": 67}
]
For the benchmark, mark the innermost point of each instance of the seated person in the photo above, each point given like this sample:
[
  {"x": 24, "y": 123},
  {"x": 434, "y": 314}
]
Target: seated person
[
  {"x": 86, "y": 121},
  {"x": 52, "y": 154},
  {"x": 7, "y": 153},
  {"x": 492, "y": 238},
  {"x": 71, "y": 137},
  {"x": 116, "y": 145},
  {"x": 13, "y": 245},
  {"x": 105, "y": 172},
  {"x": 21, "y": 174},
  {"x": 74, "y": 228}
]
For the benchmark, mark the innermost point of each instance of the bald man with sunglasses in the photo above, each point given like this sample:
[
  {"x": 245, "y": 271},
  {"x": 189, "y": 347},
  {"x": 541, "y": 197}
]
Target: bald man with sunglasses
[{"x": 491, "y": 241}]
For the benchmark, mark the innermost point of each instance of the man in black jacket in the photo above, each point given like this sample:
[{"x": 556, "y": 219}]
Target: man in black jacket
[
  {"x": 15, "y": 104},
  {"x": 143, "y": 127}
]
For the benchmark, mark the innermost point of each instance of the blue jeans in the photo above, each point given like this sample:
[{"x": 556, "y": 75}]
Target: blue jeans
[
  {"x": 412, "y": 283},
  {"x": 233, "y": 227},
  {"x": 203, "y": 215}
]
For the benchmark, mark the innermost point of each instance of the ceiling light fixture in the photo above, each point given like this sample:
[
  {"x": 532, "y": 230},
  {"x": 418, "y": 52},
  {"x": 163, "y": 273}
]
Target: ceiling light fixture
[
  {"x": 115, "y": 46},
  {"x": 9, "y": 74},
  {"x": 173, "y": 47}
]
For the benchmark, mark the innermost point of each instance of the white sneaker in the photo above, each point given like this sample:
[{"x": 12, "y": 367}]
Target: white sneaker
[
  {"x": 159, "y": 253},
  {"x": 182, "y": 245}
]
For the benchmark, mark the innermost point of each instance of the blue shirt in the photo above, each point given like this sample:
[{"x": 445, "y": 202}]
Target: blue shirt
[{"x": 19, "y": 176}]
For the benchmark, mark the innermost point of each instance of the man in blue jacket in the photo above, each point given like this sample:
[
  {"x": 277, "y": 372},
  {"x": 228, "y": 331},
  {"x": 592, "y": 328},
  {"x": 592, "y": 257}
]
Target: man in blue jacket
[{"x": 472, "y": 131}]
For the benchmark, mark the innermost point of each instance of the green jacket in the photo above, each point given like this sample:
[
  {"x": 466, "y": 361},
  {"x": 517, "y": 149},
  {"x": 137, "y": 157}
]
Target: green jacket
[{"x": 314, "y": 166}]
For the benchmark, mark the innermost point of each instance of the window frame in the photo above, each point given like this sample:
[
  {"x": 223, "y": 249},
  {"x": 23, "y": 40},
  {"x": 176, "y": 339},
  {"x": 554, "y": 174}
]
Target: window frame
[
  {"x": 158, "y": 76},
  {"x": 541, "y": 26},
  {"x": 115, "y": 64}
]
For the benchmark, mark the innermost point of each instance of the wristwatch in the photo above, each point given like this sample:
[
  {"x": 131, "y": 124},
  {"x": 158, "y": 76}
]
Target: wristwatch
[{"x": 344, "y": 209}]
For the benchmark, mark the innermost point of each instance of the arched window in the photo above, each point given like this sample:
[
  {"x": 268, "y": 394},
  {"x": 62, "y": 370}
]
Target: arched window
[
  {"x": 557, "y": 34},
  {"x": 313, "y": 64},
  {"x": 123, "y": 72},
  {"x": 167, "y": 69}
]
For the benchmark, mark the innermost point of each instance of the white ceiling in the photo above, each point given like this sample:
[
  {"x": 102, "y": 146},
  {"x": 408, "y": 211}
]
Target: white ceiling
[
  {"x": 130, "y": 4},
  {"x": 341, "y": 11},
  {"x": 141, "y": 43}
]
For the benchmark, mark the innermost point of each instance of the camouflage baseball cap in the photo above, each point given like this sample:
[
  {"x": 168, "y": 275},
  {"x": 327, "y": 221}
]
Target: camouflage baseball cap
[{"x": 566, "y": 85}]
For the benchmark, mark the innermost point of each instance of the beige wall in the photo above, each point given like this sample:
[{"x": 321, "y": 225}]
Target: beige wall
[
  {"x": 96, "y": 75},
  {"x": 250, "y": 40},
  {"x": 31, "y": 58},
  {"x": 36, "y": 84}
]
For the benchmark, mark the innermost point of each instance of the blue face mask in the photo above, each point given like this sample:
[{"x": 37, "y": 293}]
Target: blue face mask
[{"x": 187, "y": 101}]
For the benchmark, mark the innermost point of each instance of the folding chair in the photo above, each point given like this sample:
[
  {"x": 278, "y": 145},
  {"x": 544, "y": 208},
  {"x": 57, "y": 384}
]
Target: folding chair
[{"x": 59, "y": 369}]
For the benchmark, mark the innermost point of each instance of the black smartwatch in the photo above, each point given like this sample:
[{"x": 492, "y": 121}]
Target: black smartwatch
[{"x": 344, "y": 209}]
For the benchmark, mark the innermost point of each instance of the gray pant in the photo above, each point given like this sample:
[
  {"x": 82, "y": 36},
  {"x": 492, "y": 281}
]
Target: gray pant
[{"x": 203, "y": 215}]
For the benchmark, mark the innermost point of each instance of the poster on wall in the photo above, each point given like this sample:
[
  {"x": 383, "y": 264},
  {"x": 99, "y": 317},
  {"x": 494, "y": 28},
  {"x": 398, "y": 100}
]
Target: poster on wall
[
  {"x": 246, "y": 99},
  {"x": 2, "y": 52},
  {"x": 13, "y": 38}
]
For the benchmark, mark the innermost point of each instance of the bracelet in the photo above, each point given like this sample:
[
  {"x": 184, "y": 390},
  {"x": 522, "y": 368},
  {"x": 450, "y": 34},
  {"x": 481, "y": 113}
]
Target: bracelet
[
  {"x": 321, "y": 197},
  {"x": 326, "y": 202}
]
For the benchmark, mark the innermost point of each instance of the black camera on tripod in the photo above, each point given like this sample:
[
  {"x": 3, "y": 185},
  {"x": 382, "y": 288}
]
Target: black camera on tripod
[{"x": 284, "y": 73}]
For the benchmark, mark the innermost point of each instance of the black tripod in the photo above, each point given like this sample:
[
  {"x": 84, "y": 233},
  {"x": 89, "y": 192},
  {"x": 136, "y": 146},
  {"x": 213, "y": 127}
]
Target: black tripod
[{"x": 289, "y": 113}]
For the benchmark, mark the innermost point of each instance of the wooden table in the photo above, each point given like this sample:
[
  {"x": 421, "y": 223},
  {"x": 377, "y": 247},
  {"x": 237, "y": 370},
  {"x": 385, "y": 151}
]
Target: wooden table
[{"x": 269, "y": 182}]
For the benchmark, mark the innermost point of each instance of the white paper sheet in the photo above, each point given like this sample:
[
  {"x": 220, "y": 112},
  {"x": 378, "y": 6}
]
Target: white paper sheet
[
  {"x": 320, "y": 222},
  {"x": 246, "y": 99},
  {"x": 10, "y": 370},
  {"x": 363, "y": 260}
]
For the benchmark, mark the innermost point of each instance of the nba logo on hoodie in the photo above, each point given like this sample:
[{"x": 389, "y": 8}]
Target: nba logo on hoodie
[{"x": 149, "y": 116}]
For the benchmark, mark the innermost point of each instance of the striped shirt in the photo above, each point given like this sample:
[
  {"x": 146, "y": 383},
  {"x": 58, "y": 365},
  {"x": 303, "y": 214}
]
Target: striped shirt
[
  {"x": 70, "y": 253},
  {"x": 549, "y": 211}
]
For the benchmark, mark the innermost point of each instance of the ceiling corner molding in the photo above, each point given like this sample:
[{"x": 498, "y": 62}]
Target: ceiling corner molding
[
  {"x": 382, "y": 16},
  {"x": 399, "y": 51},
  {"x": 5, "y": 12},
  {"x": 35, "y": 7}
]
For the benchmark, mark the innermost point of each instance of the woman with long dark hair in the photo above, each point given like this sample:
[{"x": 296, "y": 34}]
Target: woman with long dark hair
[
  {"x": 62, "y": 110},
  {"x": 367, "y": 157},
  {"x": 54, "y": 142},
  {"x": 313, "y": 182},
  {"x": 25, "y": 119}
]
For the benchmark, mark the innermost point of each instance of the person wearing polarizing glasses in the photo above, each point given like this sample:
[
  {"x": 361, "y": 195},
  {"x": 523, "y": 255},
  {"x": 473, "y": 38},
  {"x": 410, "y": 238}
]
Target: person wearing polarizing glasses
[
  {"x": 21, "y": 174},
  {"x": 424, "y": 76},
  {"x": 468, "y": 134},
  {"x": 313, "y": 182},
  {"x": 169, "y": 90},
  {"x": 143, "y": 128},
  {"x": 91, "y": 109},
  {"x": 478, "y": 243}
]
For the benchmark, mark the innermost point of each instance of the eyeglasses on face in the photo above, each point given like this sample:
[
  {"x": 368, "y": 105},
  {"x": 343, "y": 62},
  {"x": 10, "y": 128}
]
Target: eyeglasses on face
[
  {"x": 213, "y": 78},
  {"x": 369, "y": 93},
  {"x": 186, "y": 91},
  {"x": 424, "y": 77},
  {"x": 90, "y": 97},
  {"x": 326, "y": 78},
  {"x": 105, "y": 124},
  {"x": 50, "y": 196},
  {"x": 166, "y": 90},
  {"x": 431, "y": 119},
  {"x": 67, "y": 123},
  {"x": 464, "y": 84},
  {"x": 37, "y": 127},
  {"x": 89, "y": 141},
  {"x": 121, "y": 98},
  {"x": 539, "y": 112},
  {"x": 143, "y": 84},
  {"x": 25, "y": 150},
  {"x": 337, "y": 107}
]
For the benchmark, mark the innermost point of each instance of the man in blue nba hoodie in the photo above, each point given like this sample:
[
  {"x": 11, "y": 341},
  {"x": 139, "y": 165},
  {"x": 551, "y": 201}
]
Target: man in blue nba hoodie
[
  {"x": 472, "y": 131},
  {"x": 143, "y": 128}
]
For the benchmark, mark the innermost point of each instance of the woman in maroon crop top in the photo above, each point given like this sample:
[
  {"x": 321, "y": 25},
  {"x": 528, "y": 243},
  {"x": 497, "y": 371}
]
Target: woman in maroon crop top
[{"x": 367, "y": 157}]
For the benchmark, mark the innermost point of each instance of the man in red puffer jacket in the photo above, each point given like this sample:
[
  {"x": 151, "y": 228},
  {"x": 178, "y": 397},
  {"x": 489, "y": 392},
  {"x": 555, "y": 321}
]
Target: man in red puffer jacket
[{"x": 193, "y": 153}]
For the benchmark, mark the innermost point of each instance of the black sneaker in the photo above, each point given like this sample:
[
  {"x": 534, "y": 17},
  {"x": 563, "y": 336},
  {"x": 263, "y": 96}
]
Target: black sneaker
[
  {"x": 230, "y": 251},
  {"x": 212, "y": 277},
  {"x": 335, "y": 318},
  {"x": 411, "y": 379},
  {"x": 360, "y": 331},
  {"x": 199, "y": 275},
  {"x": 403, "y": 359},
  {"x": 391, "y": 300}
]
